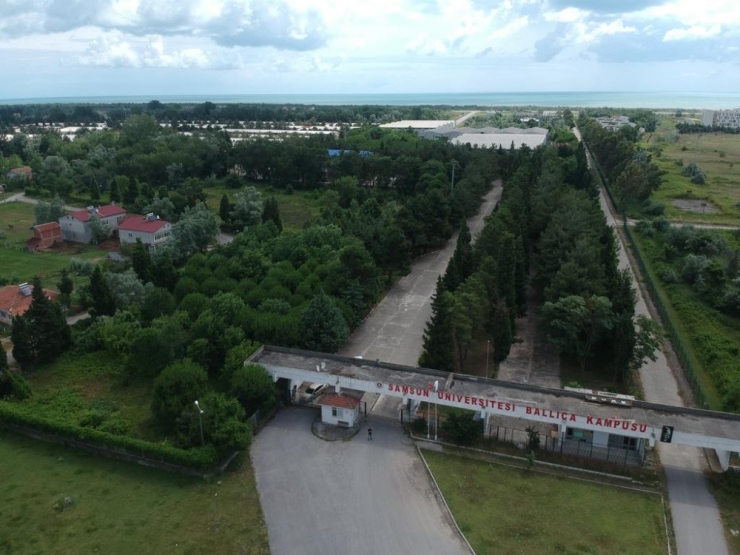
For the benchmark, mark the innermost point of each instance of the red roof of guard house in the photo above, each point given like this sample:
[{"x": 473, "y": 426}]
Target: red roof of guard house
[
  {"x": 101, "y": 212},
  {"x": 146, "y": 224},
  {"x": 16, "y": 299},
  {"x": 347, "y": 399}
]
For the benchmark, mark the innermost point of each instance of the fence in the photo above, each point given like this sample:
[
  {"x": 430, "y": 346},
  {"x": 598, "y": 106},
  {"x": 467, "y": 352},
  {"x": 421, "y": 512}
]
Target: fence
[
  {"x": 688, "y": 362},
  {"x": 571, "y": 447},
  {"x": 685, "y": 357}
]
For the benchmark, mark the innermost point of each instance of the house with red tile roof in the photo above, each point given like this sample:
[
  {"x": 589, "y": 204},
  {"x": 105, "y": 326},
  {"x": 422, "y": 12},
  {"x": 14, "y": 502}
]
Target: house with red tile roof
[
  {"x": 44, "y": 236},
  {"x": 340, "y": 407},
  {"x": 16, "y": 300},
  {"x": 151, "y": 229},
  {"x": 22, "y": 172},
  {"x": 76, "y": 228}
]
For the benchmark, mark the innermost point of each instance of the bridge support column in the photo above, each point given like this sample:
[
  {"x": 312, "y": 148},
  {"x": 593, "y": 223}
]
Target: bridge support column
[
  {"x": 724, "y": 458},
  {"x": 562, "y": 430},
  {"x": 486, "y": 424}
]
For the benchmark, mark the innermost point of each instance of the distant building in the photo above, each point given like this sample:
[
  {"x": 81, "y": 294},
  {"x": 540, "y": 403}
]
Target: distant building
[
  {"x": 15, "y": 300},
  {"x": 22, "y": 172},
  {"x": 418, "y": 124},
  {"x": 489, "y": 137},
  {"x": 721, "y": 118},
  {"x": 44, "y": 236},
  {"x": 152, "y": 230},
  {"x": 613, "y": 123},
  {"x": 75, "y": 225}
]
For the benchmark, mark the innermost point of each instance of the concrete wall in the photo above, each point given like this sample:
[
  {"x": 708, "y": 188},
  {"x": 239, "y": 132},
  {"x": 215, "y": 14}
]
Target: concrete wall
[{"x": 74, "y": 230}]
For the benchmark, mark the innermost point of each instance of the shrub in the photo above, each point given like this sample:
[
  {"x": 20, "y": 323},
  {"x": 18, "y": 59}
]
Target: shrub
[
  {"x": 668, "y": 275},
  {"x": 653, "y": 208},
  {"x": 460, "y": 427},
  {"x": 81, "y": 267},
  {"x": 661, "y": 224},
  {"x": 693, "y": 269},
  {"x": 419, "y": 425},
  {"x": 645, "y": 227}
]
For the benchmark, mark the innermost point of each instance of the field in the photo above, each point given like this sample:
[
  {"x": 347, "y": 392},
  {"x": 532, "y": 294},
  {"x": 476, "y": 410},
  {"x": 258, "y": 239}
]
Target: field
[
  {"x": 717, "y": 154},
  {"x": 68, "y": 388},
  {"x": 296, "y": 209},
  {"x": 121, "y": 508},
  {"x": 507, "y": 511},
  {"x": 19, "y": 265}
]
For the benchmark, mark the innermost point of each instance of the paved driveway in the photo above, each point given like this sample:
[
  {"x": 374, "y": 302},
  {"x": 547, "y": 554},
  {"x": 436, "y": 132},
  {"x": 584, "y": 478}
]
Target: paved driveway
[{"x": 358, "y": 497}]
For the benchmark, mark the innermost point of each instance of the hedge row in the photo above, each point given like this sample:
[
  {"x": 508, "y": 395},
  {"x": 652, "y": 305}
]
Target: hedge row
[{"x": 201, "y": 458}]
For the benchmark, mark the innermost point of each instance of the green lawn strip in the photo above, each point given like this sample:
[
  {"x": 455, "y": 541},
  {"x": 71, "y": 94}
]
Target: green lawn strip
[
  {"x": 709, "y": 337},
  {"x": 121, "y": 508},
  {"x": 507, "y": 511},
  {"x": 70, "y": 387}
]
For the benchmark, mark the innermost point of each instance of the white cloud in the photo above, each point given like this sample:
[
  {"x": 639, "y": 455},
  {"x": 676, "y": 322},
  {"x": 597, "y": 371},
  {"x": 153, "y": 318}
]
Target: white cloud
[
  {"x": 692, "y": 33},
  {"x": 117, "y": 50},
  {"x": 568, "y": 15}
]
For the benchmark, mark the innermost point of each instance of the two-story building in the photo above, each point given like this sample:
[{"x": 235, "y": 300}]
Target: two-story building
[
  {"x": 76, "y": 228},
  {"x": 150, "y": 229},
  {"x": 44, "y": 236}
]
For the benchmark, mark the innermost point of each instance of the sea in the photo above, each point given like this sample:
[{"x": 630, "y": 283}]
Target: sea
[{"x": 573, "y": 99}]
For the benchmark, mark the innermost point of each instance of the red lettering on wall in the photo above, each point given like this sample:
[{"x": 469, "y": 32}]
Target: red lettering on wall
[
  {"x": 529, "y": 410},
  {"x": 643, "y": 428},
  {"x": 425, "y": 392},
  {"x": 589, "y": 420}
]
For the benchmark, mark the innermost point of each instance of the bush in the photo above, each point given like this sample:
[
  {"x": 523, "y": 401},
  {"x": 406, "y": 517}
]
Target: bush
[
  {"x": 653, "y": 208},
  {"x": 419, "y": 425},
  {"x": 201, "y": 458},
  {"x": 693, "y": 269},
  {"x": 668, "y": 275},
  {"x": 13, "y": 385},
  {"x": 460, "y": 428},
  {"x": 661, "y": 224},
  {"x": 81, "y": 267},
  {"x": 645, "y": 228}
]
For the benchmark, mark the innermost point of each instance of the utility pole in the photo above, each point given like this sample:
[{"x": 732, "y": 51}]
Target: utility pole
[{"x": 200, "y": 419}]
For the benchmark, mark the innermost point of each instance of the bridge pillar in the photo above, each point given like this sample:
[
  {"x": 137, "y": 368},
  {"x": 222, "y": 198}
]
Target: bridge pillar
[
  {"x": 724, "y": 458},
  {"x": 562, "y": 431},
  {"x": 486, "y": 424}
]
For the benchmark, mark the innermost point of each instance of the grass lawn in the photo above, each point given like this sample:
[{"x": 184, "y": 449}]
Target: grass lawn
[
  {"x": 17, "y": 262},
  {"x": 507, "y": 511},
  {"x": 296, "y": 209},
  {"x": 74, "y": 383},
  {"x": 121, "y": 508},
  {"x": 717, "y": 154}
]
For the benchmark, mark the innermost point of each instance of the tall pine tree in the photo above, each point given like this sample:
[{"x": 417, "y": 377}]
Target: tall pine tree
[
  {"x": 103, "y": 302},
  {"x": 141, "y": 261},
  {"x": 438, "y": 341},
  {"x": 271, "y": 212}
]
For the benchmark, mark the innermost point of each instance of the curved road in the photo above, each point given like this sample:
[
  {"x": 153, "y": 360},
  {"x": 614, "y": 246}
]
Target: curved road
[
  {"x": 361, "y": 497},
  {"x": 696, "y": 517}
]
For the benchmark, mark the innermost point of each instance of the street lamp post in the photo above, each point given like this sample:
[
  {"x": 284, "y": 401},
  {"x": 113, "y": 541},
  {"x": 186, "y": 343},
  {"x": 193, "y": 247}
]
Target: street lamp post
[
  {"x": 200, "y": 419},
  {"x": 488, "y": 345}
]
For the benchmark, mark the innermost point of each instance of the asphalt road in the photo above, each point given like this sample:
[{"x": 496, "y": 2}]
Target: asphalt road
[
  {"x": 361, "y": 497},
  {"x": 394, "y": 331},
  {"x": 696, "y": 517}
]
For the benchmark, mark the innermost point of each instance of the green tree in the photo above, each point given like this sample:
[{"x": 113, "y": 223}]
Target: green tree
[
  {"x": 24, "y": 345},
  {"x": 160, "y": 206},
  {"x": 157, "y": 302},
  {"x": 65, "y": 286},
  {"x": 502, "y": 336},
  {"x": 224, "y": 209},
  {"x": 46, "y": 212},
  {"x": 132, "y": 192},
  {"x": 247, "y": 209},
  {"x": 196, "y": 230},
  {"x": 222, "y": 422},
  {"x": 271, "y": 212},
  {"x": 126, "y": 288},
  {"x": 102, "y": 298},
  {"x": 438, "y": 350},
  {"x": 99, "y": 229},
  {"x": 44, "y": 332},
  {"x": 177, "y": 388},
  {"x": 254, "y": 388},
  {"x": 141, "y": 261},
  {"x": 323, "y": 328},
  {"x": 163, "y": 272},
  {"x": 115, "y": 191},
  {"x": 575, "y": 324}
]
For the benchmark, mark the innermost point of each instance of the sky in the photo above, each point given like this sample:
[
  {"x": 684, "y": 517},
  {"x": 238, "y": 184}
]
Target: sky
[{"x": 58, "y": 48}]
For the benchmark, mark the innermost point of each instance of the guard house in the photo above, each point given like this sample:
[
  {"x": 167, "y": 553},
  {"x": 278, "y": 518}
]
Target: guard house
[{"x": 340, "y": 407}]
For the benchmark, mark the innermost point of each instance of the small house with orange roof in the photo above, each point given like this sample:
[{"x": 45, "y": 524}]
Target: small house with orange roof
[
  {"x": 44, "y": 236},
  {"x": 15, "y": 300},
  {"x": 340, "y": 407}
]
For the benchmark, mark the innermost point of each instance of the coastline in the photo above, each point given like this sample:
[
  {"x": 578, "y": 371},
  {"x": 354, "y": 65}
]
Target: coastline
[{"x": 574, "y": 99}]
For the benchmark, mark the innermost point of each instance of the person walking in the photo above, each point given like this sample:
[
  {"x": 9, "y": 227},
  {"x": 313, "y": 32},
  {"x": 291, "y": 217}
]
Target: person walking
[{"x": 369, "y": 434}]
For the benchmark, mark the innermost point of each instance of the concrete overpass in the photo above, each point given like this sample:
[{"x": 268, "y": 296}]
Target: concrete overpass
[{"x": 649, "y": 422}]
